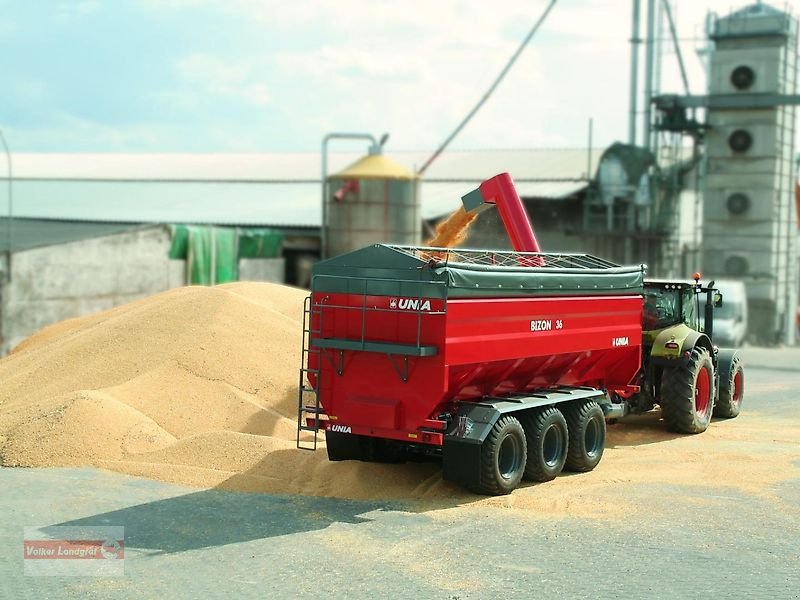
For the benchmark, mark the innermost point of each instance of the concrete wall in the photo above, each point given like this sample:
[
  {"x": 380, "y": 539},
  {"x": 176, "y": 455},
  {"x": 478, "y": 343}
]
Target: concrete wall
[
  {"x": 262, "y": 269},
  {"x": 58, "y": 282}
]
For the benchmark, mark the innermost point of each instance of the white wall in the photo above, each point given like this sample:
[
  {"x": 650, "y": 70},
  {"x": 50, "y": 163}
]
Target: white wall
[{"x": 79, "y": 278}]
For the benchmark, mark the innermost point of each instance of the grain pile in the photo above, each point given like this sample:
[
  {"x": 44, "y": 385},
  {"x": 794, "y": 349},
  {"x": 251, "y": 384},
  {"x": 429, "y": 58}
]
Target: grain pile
[
  {"x": 198, "y": 386},
  {"x": 195, "y": 386}
]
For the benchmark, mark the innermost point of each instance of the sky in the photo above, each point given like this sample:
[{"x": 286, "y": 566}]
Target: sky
[{"x": 277, "y": 75}]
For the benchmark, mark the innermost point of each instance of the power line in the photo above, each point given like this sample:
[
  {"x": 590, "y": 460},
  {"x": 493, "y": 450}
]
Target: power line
[{"x": 491, "y": 89}]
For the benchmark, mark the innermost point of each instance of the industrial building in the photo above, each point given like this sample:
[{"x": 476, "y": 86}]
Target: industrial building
[
  {"x": 93, "y": 231},
  {"x": 709, "y": 186}
]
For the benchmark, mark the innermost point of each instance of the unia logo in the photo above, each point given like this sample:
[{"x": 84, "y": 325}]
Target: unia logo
[
  {"x": 410, "y": 304},
  {"x": 341, "y": 428}
]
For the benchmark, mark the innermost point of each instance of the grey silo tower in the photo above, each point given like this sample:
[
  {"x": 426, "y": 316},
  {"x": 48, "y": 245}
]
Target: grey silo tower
[{"x": 750, "y": 221}]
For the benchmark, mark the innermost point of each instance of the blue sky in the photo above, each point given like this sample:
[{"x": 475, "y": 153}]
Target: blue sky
[{"x": 276, "y": 75}]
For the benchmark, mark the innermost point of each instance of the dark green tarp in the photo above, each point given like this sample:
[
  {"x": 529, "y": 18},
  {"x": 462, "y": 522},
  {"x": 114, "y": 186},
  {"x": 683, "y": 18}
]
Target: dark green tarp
[{"x": 384, "y": 270}]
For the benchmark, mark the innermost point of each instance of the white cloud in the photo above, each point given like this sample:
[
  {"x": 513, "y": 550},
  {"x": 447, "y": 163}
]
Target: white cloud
[{"x": 206, "y": 74}]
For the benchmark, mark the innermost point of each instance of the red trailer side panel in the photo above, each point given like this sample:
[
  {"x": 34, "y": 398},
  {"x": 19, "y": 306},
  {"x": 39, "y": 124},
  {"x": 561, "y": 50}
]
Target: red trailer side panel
[{"x": 390, "y": 364}]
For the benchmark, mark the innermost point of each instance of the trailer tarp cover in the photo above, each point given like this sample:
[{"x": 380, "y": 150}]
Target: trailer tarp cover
[{"x": 441, "y": 273}]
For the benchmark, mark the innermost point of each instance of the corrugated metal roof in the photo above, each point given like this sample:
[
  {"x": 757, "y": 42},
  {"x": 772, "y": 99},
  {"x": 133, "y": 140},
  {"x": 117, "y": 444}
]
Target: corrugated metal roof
[
  {"x": 266, "y": 189},
  {"x": 269, "y": 204},
  {"x": 35, "y": 233},
  {"x": 306, "y": 166}
]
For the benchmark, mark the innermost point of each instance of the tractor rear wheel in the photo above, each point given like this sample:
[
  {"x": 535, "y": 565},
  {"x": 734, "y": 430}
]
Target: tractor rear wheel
[
  {"x": 502, "y": 461},
  {"x": 546, "y": 436},
  {"x": 586, "y": 424},
  {"x": 731, "y": 391},
  {"x": 687, "y": 393}
]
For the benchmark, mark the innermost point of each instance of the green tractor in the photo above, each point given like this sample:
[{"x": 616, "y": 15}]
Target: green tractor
[{"x": 683, "y": 372}]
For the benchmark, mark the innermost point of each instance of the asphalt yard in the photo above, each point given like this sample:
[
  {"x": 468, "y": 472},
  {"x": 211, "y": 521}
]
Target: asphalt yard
[{"x": 662, "y": 516}]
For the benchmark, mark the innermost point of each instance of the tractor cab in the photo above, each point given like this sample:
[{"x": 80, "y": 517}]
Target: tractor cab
[
  {"x": 668, "y": 303},
  {"x": 676, "y": 303}
]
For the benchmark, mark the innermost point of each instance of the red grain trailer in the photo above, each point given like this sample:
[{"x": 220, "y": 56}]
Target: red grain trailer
[{"x": 505, "y": 363}]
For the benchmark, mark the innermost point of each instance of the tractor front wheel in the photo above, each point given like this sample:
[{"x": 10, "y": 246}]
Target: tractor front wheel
[
  {"x": 687, "y": 393},
  {"x": 503, "y": 455}
]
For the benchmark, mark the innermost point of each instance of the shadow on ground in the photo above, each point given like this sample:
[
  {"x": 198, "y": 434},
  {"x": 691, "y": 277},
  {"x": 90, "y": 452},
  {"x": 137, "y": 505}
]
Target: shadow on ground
[{"x": 213, "y": 517}]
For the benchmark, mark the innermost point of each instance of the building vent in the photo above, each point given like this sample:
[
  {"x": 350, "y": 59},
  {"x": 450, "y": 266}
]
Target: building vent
[
  {"x": 738, "y": 203},
  {"x": 740, "y": 140},
  {"x": 743, "y": 77},
  {"x": 736, "y": 266}
]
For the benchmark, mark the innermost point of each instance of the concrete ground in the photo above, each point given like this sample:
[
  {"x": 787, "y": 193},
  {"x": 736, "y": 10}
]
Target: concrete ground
[{"x": 687, "y": 542}]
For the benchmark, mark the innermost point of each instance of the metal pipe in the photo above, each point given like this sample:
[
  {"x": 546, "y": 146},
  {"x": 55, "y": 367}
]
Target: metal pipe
[
  {"x": 489, "y": 92},
  {"x": 589, "y": 150},
  {"x": 648, "y": 72},
  {"x": 323, "y": 239},
  {"x": 676, "y": 42},
  {"x": 635, "y": 41},
  {"x": 500, "y": 192},
  {"x": 10, "y": 206}
]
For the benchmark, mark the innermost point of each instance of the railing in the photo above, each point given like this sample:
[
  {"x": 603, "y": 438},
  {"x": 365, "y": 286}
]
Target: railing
[{"x": 500, "y": 258}]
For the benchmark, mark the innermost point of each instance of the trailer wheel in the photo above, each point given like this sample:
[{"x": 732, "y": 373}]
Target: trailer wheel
[
  {"x": 502, "y": 457},
  {"x": 546, "y": 436},
  {"x": 731, "y": 391},
  {"x": 687, "y": 393},
  {"x": 586, "y": 424}
]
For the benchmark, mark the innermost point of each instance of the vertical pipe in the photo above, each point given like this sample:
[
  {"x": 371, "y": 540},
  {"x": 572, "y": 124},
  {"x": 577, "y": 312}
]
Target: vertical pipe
[
  {"x": 635, "y": 41},
  {"x": 589, "y": 150},
  {"x": 10, "y": 249},
  {"x": 648, "y": 71}
]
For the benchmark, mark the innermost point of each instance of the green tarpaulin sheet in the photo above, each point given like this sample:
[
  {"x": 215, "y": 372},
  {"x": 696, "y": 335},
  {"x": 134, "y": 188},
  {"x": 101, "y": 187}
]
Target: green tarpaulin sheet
[{"x": 213, "y": 253}]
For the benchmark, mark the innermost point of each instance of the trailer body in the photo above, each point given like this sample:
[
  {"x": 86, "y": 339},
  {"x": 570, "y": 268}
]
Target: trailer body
[{"x": 401, "y": 338}]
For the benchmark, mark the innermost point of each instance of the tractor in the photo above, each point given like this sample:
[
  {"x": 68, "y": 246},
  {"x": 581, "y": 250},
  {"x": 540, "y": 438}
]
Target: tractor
[{"x": 683, "y": 372}]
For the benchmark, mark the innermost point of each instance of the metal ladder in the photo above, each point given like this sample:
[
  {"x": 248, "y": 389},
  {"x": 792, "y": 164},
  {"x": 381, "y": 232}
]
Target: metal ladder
[{"x": 305, "y": 410}]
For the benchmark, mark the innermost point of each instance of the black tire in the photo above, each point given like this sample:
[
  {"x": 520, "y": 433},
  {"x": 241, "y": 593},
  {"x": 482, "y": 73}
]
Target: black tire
[
  {"x": 731, "y": 391},
  {"x": 546, "y": 436},
  {"x": 586, "y": 424},
  {"x": 687, "y": 393},
  {"x": 503, "y": 455}
]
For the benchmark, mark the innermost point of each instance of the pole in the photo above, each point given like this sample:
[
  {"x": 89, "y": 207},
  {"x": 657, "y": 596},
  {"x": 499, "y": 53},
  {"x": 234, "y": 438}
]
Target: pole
[
  {"x": 589, "y": 150},
  {"x": 10, "y": 206},
  {"x": 635, "y": 41},
  {"x": 648, "y": 71},
  {"x": 323, "y": 232}
]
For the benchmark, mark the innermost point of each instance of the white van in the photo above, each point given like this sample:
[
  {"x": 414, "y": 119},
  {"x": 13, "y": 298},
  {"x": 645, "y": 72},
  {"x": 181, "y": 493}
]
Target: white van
[{"x": 730, "y": 319}]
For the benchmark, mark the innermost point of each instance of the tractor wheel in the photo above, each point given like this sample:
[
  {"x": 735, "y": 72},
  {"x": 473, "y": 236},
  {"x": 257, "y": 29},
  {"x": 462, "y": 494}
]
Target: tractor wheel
[
  {"x": 502, "y": 457},
  {"x": 586, "y": 424},
  {"x": 731, "y": 391},
  {"x": 687, "y": 393},
  {"x": 546, "y": 436}
]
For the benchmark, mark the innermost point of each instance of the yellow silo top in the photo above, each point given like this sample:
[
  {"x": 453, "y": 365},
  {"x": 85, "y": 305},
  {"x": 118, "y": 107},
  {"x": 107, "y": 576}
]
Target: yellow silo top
[{"x": 374, "y": 166}]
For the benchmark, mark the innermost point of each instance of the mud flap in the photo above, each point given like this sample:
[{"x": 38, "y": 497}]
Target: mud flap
[
  {"x": 343, "y": 446},
  {"x": 461, "y": 450}
]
